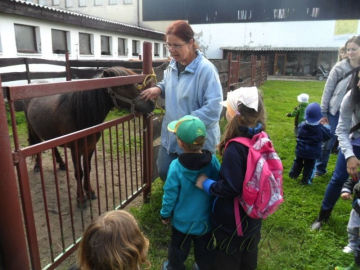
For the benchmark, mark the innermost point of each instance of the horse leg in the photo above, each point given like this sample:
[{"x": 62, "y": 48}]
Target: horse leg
[
  {"x": 76, "y": 158},
  {"x": 59, "y": 160},
  {"x": 87, "y": 185}
]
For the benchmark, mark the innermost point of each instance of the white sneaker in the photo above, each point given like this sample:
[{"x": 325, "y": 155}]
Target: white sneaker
[{"x": 347, "y": 249}]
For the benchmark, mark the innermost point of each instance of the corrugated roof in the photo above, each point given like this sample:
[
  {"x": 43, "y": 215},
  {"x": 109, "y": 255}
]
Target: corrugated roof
[
  {"x": 34, "y": 10},
  {"x": 270, "y": 48}
]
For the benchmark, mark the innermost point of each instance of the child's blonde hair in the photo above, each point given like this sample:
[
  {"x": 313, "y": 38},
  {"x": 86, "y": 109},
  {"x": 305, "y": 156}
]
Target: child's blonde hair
[
  {"x": 246, "y": 117},
  {"x": 113, "y": 241},
  {"x": 200, "y": 141}
]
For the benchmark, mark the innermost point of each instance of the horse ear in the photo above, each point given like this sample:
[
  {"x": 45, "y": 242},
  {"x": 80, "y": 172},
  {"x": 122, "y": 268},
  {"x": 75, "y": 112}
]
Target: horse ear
[
  {"x": 109, "y": 72},
  {"x": 106, "y": 73}
]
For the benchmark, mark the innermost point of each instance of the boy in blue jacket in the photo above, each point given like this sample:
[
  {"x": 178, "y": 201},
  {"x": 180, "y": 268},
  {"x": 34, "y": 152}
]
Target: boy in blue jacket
[
  {"x": 183, "y": 203},
  {"x": 311, "y": 133}
]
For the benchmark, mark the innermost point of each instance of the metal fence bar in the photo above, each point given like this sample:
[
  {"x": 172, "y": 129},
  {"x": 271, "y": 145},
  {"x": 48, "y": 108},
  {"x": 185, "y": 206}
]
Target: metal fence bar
[{"x": 12, "y": 234}]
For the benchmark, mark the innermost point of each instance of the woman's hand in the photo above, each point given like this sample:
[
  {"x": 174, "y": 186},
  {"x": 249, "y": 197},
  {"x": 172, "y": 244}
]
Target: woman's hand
[
  {"x": 345, "y": 196},
  {"x": 201, "y": 179},
  {"x": 352, "y": 165},
  {"x": 150, "y": 93}
]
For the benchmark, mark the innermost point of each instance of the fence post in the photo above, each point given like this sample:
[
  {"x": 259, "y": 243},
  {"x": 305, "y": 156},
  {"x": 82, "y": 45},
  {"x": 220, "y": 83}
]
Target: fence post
[
  {"x": 12, "y": 234},
  {"x": 148, "y": 127},
  {"x": 26, "y": 62},
  {"x": 229, "y": 57},
  {"x": 67, "y": 66},
  {"x": 253, "y": 70}
]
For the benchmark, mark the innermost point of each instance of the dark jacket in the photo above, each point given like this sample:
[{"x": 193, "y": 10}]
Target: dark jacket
[
  {"x": 309, "y": 140},
  {"x": 229, "y": 185},
  {"x": 352, "y": 187}
]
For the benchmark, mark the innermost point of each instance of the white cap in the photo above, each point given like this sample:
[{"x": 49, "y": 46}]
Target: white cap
[
  {"x": 248, "y": 96},
  {"x": 303, "y": 97}
]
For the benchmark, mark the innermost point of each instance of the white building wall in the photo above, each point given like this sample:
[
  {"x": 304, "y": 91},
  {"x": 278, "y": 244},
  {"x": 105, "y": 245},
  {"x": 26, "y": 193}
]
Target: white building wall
[
  {"x": 9, "y": 50},
  {"x": 268, "y": 34},
  {"x": 7, "y": 34}
]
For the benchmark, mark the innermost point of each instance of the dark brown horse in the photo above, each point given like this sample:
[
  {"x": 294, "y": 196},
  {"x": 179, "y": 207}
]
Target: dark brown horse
[{"x": 53, "y": 116}]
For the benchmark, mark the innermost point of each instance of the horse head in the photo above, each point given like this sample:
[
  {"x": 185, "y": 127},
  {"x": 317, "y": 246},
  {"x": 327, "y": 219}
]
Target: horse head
[{"x": 127, "y": 96}]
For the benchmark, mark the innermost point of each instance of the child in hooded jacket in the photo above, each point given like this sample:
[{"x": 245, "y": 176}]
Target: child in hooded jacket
[
  {"x": 311, "y": 134},
  {"x": 299, "y": 111},
  {"x": 183, "y": 203}
]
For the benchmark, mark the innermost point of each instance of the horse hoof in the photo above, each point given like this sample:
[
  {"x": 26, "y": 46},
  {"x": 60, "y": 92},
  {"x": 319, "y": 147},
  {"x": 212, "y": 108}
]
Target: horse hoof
[
  {"x": 81, "y": 204},
  {"x": 62, "y": 167},
  {"x": 91, "y": 195}
]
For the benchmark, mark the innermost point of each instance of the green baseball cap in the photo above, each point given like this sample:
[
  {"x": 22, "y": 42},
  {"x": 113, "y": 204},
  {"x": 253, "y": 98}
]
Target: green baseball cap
[{"x": 188, "y": 128}]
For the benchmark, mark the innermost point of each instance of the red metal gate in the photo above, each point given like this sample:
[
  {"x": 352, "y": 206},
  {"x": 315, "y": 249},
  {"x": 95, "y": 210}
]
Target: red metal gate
[{"x": 47, "y": 213}]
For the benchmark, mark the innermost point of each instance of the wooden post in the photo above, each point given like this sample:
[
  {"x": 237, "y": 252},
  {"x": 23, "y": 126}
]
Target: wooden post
[
  {"x": 262, "y": 79},
  {"x": 26, "y": 62},
  {"x": 12, "y": 234},
  {"x": 67, "y": 67},
  {"x": 148, "y": 127},
  {"x": 229, "y": 56}
]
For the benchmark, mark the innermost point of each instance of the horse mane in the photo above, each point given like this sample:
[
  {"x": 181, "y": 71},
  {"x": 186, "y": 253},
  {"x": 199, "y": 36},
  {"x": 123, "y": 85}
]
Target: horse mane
[{"x": 91, "y": 107}]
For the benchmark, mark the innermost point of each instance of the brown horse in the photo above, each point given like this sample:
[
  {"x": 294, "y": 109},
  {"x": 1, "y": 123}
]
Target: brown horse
[{"x": 53, "y": 116}]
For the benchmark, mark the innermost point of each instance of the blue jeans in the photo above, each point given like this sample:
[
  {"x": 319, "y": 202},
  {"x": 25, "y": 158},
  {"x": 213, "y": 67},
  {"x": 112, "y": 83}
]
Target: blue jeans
[
  {"x": 338, "y": 178},
  {"x": 326, "y": 146},
  {"x": 163, "y": 162}
]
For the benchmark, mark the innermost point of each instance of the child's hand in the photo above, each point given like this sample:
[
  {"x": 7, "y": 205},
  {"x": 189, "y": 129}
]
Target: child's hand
[
  {"x": 324, "y": 121},
  {"x": 165, "y": 221},
  {"x": 345, "y": 196},
  {"x": 200, "y": 180}
]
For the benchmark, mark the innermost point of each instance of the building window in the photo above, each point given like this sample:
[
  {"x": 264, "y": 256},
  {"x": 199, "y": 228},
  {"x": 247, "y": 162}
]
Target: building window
[
  {"x": 315, "y": 12},
  {"x": 113, "y": 2},
  {"x": 122, "y": 46},
  {"x": 105, "y": 45},
  {"x": 59, "y": 41},
  {"x": 56, "y": 2},
  {"x": 135, "y": 47},
  {"x": 82, "y": 3},
  {"x": 42, "y": 2},
  {"x": 244, "y": 14},
  {"x": 128, "y": 2},
  {"x": 98, "y": 2},
  {"x": 156, "y": 49},
  {"x": 281, "y": 13},
  {"x": 26, "y": 39},
  {"x": 68, "y": 3},
  {"x": 164, "y": 51},
  {"x": 86, "y": 43}
]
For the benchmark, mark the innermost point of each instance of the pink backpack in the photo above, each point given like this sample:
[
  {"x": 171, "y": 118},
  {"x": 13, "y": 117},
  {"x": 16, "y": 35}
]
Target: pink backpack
[{"x": 262, "y": 188}]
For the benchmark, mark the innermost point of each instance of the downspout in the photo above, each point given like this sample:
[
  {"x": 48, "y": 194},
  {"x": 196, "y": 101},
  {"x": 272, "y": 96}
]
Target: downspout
[{"x": 138, "y": 12}]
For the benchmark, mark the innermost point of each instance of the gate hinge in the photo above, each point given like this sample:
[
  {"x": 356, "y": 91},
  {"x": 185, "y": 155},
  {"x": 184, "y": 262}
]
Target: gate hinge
[{"x": 16, "y": 158}]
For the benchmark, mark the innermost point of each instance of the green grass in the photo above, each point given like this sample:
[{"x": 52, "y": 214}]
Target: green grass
[{"x": 287, "y": 242}]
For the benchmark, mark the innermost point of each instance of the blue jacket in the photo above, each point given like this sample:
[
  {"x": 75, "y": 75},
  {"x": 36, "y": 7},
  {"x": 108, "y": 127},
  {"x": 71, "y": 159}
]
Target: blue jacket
[
  {"x": 187, "y": 205},
  {"x": 309, "y": 140},
  {"x": 196, "y": 91}
]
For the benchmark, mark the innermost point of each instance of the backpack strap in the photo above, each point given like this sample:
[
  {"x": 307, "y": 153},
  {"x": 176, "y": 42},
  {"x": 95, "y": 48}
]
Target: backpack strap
[
  {"x": 237, "y": 216},
  {"x": 345, "y": 75}
]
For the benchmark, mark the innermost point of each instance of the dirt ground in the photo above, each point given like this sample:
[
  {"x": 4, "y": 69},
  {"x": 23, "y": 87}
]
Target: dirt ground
[{"x": 58, "y": 219}]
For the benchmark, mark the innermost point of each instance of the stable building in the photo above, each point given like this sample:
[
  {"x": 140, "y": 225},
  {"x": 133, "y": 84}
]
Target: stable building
[{"x": 289, "y": 61}]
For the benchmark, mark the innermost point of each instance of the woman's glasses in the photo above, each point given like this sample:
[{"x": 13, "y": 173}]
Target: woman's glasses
[{"x": 174, "y": 46}]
